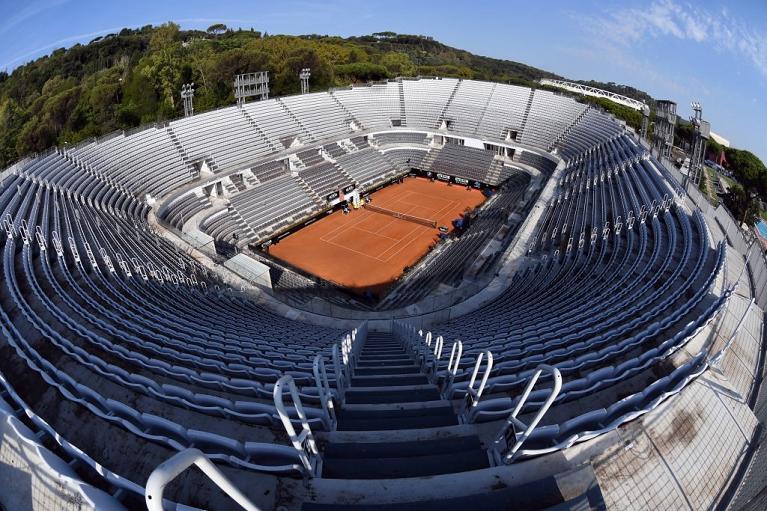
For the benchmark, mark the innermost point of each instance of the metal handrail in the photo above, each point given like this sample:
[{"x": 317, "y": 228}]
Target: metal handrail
[
  {"x": 339, "y": 367},
  {"x": 473, "y": 395},
  {"x": 304, "y": 441},
  {"x": 323, "y": 388},
  {"x": 456, "y": 352},
  {"x": 513, "y": 422},
  {"x": 435, "y": 355},
  {"x": 177, "y": 464}
]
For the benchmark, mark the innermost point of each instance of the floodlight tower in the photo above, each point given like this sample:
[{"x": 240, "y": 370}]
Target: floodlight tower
[
  {"x": 251, "y": 84},
  {"x": 187, "y": 95},
  {"x": 700, "y": 135},
  {"x": 665, "y": 122},
  {"x": 304, "y": 76}
]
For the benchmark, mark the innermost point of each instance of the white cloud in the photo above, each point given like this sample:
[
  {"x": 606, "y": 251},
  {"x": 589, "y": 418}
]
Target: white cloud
[
  {"x": 29, "y": 10},
  {"x": 683, "y": 21}
]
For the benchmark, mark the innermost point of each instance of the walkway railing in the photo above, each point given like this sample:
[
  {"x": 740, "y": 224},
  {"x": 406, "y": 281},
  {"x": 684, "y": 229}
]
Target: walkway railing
[
  {"x": 304, "y": 442},
  {"x": 176, "y": 465},
  {"x": 509, "y": 440},
  {"x": 475, "y": 388}
]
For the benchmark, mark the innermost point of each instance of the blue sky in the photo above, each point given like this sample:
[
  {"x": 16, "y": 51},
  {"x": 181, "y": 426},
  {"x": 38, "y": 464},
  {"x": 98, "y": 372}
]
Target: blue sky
[{"x": 712, "y": 52}]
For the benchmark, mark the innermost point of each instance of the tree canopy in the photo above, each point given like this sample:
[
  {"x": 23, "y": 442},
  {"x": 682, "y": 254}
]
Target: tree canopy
[{"x": 123, "y": 80}]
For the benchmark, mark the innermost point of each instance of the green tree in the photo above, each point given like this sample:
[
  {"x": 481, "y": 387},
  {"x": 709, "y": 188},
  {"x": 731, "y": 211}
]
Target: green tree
[
  {"x": 398, "y": 64},
  {"x": 217, "y": 29},
  {"x": 743, "y": 206},
  {"x": 163, "y": 66}
]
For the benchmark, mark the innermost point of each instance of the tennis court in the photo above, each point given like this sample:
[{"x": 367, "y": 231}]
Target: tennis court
[{"x": 368, "y": 250}]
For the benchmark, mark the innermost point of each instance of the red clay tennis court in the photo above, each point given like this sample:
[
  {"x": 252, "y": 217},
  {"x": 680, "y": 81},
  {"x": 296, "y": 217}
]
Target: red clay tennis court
[{"x": 368, "y": 250}]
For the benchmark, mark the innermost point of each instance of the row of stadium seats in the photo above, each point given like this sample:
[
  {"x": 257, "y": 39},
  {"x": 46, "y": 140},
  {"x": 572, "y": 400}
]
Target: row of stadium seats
[
  {"x": 236, "y": 138},
  {"x": 607, "y": 312},
  {"x": 143, "y": 162},
  {"x": 122, "y": 340},
  {"x": 119, "y": 349},
  {"x": 450, "y": 263}
]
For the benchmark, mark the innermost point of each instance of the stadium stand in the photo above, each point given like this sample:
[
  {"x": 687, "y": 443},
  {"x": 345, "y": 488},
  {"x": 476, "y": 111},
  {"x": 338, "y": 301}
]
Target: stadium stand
[
  {"x": 400, "y": 138},
  {"x": 373, "y": 105},
  {"x": 366, "y": 166},
  {"x": 406, "y": 158},
  {"x": 272, "y": 205},
  {"x": 324, "y": 178},
  {"x": 224, "y": 136},
  {"x": 466, "y": 162},
  {"x": 426, "y": 99},
  {"x": 590, "y": 308}
]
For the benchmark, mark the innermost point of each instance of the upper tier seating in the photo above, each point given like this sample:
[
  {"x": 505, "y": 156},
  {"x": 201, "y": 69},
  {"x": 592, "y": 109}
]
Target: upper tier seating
[
  {"x": 144, "y": 162},
  {"x": 223, "y": 135},
  {"x": 425, "y": 100},
  {"x": 468, "y": 105},
  {"x": 373, "y": 105},
  {"x": 550, "y": 115},
  {"x": 504, "y": 112}
]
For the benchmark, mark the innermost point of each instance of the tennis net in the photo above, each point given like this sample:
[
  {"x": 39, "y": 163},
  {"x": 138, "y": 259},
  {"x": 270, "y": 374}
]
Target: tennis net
[{"x": 402, "y": 216}]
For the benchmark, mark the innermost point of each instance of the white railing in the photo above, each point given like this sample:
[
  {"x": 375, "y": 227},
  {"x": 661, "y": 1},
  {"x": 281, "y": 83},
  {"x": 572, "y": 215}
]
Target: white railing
[
  {"x": 436, "y": 355},
  {"x": 323, "y": 389},
  {"x": 509, "y": 441},
  {"x": 173, "y": 467},
  {"x": 475, "y": 388},
  {"x": 452, "y": 368},
  {"x": 339, "y": 366},
  {"x": 345, "y": 358},
  {"x": 304, "y": 442}
]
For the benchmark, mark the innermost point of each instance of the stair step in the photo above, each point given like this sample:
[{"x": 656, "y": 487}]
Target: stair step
[
  {"x": 388, "y": 380},
  {"x": 384, "y": 362},
  {"x": 392, "y": 394},
  {"x": 402, "y": 435},
  {"x": 393, "y": 347},
  {"x": 402, "y": 449},
  {"x": 377, "y": 370},
  {"x": 383, "y": 349},
  {"x": 398, "y": 423},
  {"x": 443, "y": 410},
  {"x": 397, "y": 468},
  {"x": 385, "y": 358},
  {"x": 539, "y": 495},
  {"x": 395, "y": 395}
]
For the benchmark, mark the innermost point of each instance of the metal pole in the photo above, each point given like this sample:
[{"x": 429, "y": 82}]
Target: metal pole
[
  {"x": 172, "y": 468},
  {"x": 304, "y": 77}
]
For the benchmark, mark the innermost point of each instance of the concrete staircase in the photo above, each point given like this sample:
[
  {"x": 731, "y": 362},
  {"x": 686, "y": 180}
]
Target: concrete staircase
[
  {"x": 258, "y": 131},
  {"x": 567, "y": 130},
  {"x": 303, "y": 128},
  {"x": 445, "y": 108},
  {"x": 484, "y": 108},
  {"x": 527, "y": 110},
  {"x": 402, "y": 116},
  {"x": 396, "y": 430}
]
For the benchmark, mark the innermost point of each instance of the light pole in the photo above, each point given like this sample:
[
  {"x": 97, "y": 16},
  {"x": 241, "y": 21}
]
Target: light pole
[
  {"x": 304, "y": 76},
  {"x": 187, "y": 95}
]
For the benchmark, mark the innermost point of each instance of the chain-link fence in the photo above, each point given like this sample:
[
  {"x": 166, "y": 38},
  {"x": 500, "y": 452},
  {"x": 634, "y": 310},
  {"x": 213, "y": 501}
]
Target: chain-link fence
[{"x": 743, "y": 361}]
